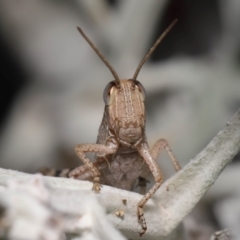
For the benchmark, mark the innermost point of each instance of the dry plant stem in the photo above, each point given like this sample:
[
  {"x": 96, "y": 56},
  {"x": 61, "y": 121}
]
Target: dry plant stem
[{"x": 176, "y": 197}]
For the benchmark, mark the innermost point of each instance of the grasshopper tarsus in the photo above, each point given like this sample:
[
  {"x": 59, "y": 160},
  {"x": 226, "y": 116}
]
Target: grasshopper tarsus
[{"x": 142, "y": 221}]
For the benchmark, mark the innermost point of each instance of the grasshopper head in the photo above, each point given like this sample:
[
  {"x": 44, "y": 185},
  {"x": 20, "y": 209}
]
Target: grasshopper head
[{"x": 125, "y": 109}]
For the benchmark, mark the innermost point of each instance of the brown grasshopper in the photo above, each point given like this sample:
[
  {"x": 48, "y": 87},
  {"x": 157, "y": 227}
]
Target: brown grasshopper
[{"x": 122, "y": 154}]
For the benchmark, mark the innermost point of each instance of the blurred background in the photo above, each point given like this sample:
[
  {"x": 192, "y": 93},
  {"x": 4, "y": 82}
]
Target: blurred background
[{"x": 52, "y": 83}]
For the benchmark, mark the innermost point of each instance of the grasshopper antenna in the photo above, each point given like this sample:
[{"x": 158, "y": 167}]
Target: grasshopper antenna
[
  {"x": 161, "y": 37},
  {"x": 100, "y": 55}
]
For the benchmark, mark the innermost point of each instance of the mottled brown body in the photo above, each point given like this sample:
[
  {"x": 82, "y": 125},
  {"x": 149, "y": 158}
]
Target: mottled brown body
[
  {"x": 121, "y": 130},
  {"x": 122, "y": 154},
  {"x": 121, "y": 170}
]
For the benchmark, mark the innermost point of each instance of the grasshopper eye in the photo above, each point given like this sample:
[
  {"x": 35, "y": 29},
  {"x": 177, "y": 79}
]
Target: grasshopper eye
[
  {"x": 107, "y": 96},
  {"x": 141, "y": 90}
]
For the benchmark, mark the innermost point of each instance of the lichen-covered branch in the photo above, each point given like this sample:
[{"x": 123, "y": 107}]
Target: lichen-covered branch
[{"x": 165, "y": 211}]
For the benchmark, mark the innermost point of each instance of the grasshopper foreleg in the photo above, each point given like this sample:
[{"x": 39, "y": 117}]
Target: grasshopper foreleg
[
  {"x": 81, "y": 149},
  {"x": 150, "y": 159}
]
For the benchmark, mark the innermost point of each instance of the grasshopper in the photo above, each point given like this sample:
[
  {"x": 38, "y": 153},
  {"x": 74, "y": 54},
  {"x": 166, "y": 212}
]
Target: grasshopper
[{"x": 122, "y": 154}]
